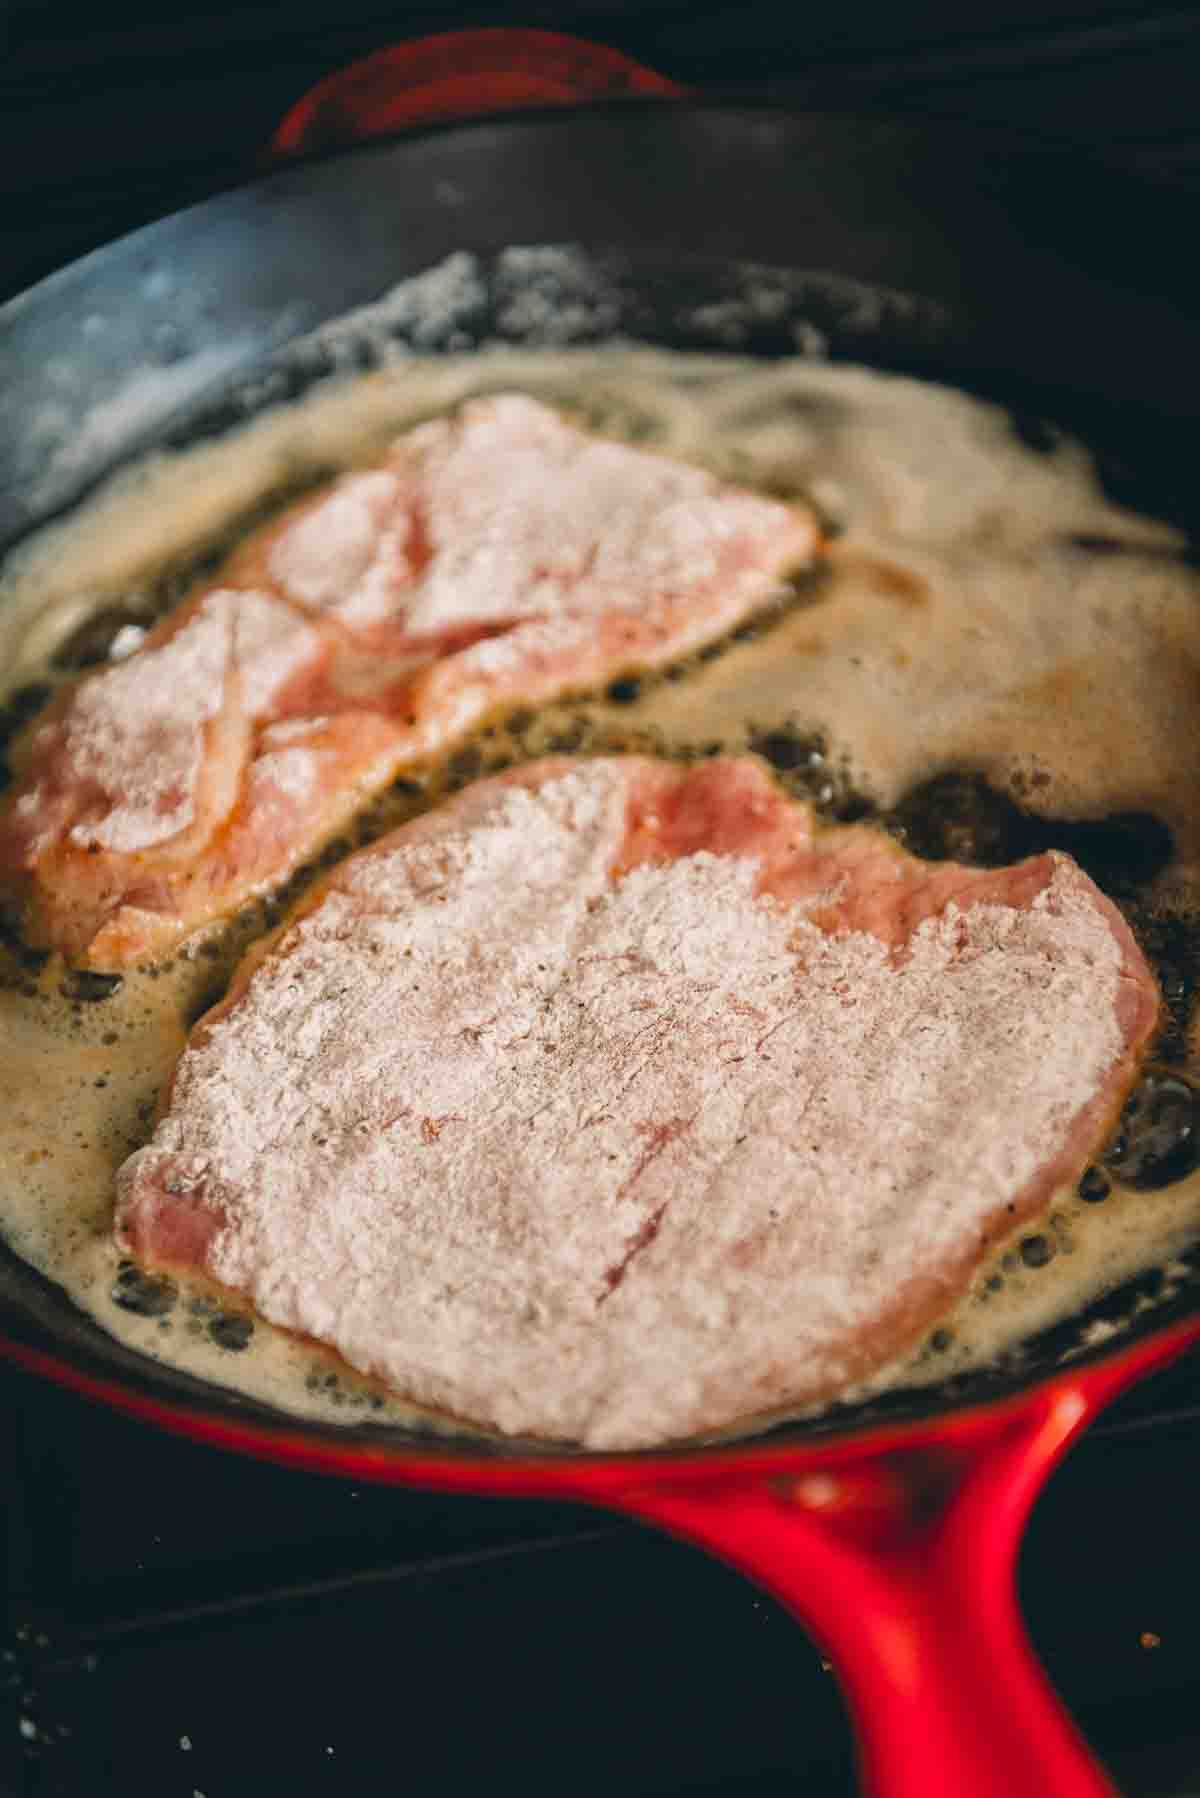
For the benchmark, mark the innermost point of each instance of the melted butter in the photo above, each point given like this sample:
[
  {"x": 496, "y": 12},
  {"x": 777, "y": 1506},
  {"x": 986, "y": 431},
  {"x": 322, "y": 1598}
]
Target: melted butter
[{"x": 959, "y": 625}]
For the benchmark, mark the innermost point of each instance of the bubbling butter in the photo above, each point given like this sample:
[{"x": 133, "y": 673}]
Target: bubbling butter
[{"x": 984, "y": 611}]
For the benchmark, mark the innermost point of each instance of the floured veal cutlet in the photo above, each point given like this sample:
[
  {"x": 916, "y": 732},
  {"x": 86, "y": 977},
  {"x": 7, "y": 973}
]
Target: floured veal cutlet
[
  {"x": 614, "y": 1102},
  {"x": 494, "y": 559}
]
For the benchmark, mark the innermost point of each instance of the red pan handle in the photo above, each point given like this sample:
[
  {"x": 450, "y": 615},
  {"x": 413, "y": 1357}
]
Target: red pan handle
[
  {"x": 458, "y": 75},
  {"x": 901, "y": 1562}
]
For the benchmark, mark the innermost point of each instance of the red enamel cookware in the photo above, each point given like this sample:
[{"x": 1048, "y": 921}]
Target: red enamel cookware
[{"x": 1064, "y": 290}]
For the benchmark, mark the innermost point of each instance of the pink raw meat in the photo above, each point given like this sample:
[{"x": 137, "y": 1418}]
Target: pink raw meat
[
  {"x": 615, "y": 1102},
  {"x": 495, "y": 559}
]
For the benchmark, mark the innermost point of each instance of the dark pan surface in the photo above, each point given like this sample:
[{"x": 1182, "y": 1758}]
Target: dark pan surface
[
  {"x": 1060, "y": 289},
  {"x": 1047, "y": 271}
]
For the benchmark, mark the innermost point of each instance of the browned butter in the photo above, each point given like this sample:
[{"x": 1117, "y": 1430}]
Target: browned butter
[{"x": 985, "y": 612}]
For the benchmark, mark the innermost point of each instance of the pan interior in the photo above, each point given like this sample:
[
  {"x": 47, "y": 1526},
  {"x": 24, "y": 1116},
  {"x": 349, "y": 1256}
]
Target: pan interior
[{"x": 558, "y": 299}]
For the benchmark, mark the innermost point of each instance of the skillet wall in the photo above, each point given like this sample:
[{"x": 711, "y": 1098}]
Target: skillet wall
[{"x": 1052, "y": 275}]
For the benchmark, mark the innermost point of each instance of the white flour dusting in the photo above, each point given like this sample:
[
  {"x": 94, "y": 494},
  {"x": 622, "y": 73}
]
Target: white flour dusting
[
  {"x": 138, "y": 736},
  {"x": 625, "y": 1163}
]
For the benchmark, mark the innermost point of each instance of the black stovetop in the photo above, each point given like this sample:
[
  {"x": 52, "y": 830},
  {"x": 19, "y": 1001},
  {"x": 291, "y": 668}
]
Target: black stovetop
[{"x": 181, "y": 1622}]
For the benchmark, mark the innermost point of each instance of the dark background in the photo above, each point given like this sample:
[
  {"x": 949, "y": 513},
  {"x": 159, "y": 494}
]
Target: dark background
[
  {"x": 114, "y": 113},
  {"x": 177, "y": 1622}
]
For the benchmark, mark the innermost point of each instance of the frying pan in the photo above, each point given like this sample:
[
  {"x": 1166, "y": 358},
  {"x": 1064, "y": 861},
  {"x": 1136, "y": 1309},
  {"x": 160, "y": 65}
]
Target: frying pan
[{"x": 1061, "y": 288}]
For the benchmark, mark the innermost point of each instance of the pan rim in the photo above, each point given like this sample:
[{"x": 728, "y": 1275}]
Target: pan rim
[
  {"x": 924, "y": 1416},
  {"x": 346, "y": 1449},
  {"x": 511, "y": 1472},
  {"x": 1001, "y": 142}
]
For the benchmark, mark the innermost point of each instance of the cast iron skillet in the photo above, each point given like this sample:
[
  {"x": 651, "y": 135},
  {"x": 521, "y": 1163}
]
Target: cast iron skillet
[{"x": 891, "y": 1529}]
